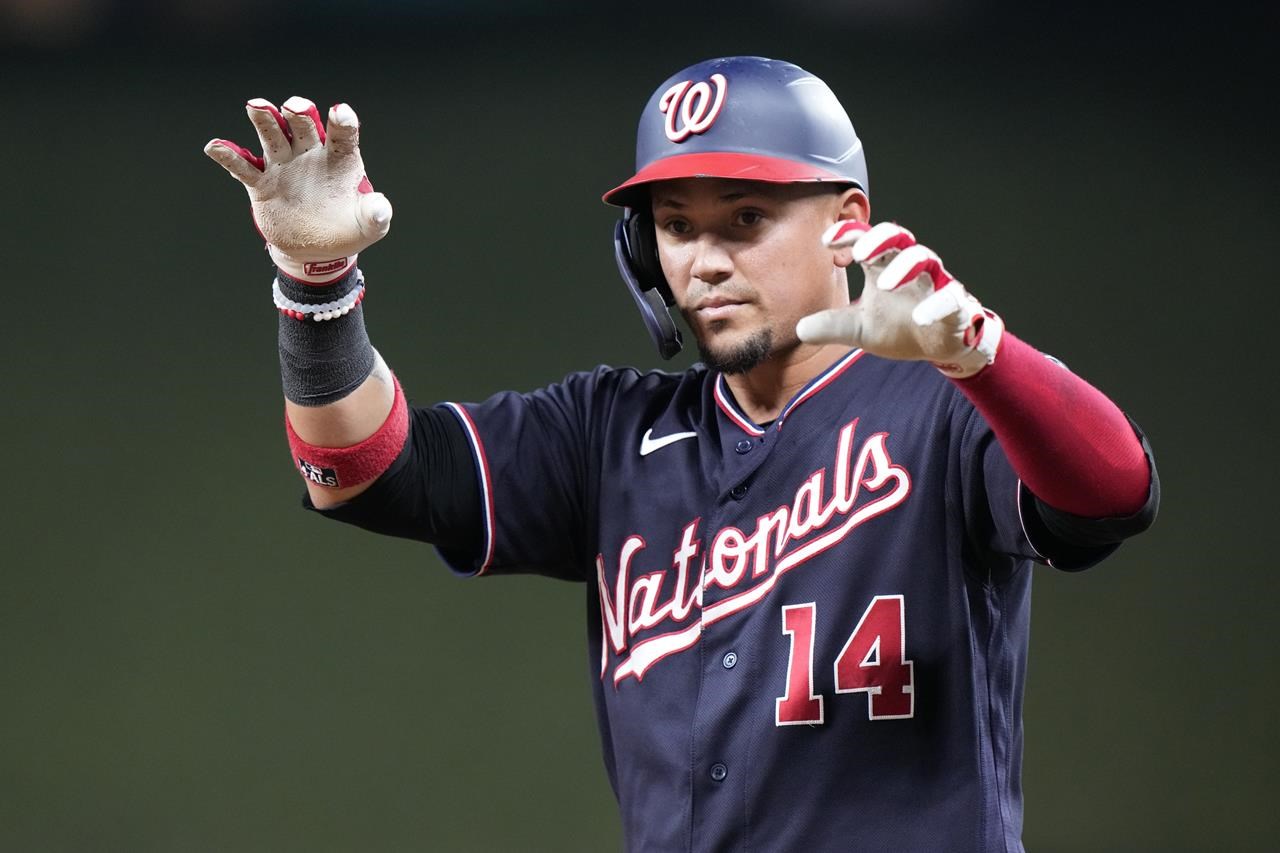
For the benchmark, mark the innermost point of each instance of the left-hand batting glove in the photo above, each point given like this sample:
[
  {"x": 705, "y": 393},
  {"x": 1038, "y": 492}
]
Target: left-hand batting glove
[{"x": 911, "y": 308}]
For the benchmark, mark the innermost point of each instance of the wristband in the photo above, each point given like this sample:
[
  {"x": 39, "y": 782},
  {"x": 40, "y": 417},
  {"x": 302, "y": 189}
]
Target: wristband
[
  {"x": 322, "y": 362},
  {"x": 337, "y": 467}
]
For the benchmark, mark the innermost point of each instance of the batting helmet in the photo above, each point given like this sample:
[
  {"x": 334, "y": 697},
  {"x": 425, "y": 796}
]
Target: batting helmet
[{"x": 743, "y": 117}]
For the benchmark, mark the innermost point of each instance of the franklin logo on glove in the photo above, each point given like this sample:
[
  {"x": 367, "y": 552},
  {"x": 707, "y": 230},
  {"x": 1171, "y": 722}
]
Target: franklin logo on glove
[{"x": 325, "y": 268}]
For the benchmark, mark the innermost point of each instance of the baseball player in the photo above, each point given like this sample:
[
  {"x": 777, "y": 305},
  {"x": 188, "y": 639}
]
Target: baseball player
[{"x": 810, "y": 554}]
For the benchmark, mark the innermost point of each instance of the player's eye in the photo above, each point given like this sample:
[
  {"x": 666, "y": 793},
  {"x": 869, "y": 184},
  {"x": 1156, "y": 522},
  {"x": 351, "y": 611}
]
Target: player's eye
[
  {"x": 676, "y": 226},
  {"x": 748, "y": 218}
]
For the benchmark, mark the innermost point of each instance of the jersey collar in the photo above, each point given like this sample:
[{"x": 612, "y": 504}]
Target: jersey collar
[{"x": 731, "y": 409}]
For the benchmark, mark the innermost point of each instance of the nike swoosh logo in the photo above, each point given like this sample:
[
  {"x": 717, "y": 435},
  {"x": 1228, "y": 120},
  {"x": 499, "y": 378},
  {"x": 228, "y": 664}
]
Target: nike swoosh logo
[{"x": 648, "y": 443}]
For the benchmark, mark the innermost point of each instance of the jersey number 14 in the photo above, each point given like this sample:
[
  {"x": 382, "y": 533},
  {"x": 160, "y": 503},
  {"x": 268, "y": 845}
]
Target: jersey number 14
[{"x": 873, "y": 661}]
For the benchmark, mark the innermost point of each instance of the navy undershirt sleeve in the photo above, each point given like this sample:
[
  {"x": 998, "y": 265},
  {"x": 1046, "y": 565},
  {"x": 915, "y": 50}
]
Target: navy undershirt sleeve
[
  {"x": 1000, "y": 526},
  {"x": 430, "y": 493},
  {"x": 1074, "y": 542}
]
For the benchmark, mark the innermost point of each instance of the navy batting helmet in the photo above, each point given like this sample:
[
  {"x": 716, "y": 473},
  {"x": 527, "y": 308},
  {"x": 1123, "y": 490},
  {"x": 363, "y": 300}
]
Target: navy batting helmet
[{"x": 742, "y": 117}]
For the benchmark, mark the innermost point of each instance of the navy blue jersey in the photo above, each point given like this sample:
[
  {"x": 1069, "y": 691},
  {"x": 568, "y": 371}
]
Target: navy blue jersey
[{"x": 805, "y": 636}]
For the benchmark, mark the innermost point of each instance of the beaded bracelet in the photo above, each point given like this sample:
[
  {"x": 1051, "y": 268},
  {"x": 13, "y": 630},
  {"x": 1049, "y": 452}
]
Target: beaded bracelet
[{"x": 321, "y": 311}]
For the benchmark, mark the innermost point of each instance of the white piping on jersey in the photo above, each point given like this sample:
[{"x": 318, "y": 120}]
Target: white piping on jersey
[
  {"x": 820, "y": 382},
  {"x": 486, "y": 490},
  {"x": 1022, "y": 522},
  {"x": 724, "y": 399}
]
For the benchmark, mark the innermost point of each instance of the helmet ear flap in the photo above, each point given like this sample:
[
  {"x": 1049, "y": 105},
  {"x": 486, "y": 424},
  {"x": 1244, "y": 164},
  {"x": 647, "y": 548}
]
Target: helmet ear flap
[
  {"x": 635, "y": 249},
  {"x": 643, "y": 243}
]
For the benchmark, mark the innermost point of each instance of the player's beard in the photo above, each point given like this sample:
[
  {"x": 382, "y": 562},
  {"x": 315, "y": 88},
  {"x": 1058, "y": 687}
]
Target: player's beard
[{"x": 740, "y": 358}]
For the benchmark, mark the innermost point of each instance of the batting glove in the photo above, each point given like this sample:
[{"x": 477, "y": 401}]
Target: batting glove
[
  {"x": 311, "y": 200},
  {"x": 911, "y": 308}
]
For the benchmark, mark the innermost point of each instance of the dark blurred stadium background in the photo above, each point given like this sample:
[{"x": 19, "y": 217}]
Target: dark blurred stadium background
[{"x": 188, "y": 662}]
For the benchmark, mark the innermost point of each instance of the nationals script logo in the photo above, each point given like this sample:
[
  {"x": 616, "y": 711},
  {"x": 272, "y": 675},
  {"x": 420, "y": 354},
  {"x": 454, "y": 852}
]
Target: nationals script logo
[
  {"x": 693, "y": 105},
  {"x": 748, "y": 563}
]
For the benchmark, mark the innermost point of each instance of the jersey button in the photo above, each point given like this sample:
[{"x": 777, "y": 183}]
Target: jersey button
[
  {"x": 743, "y": 446},
  {"x": 738, "y": 492},
  {"x": 730, "y": 660},
  {"x": 718, "y": 772}
]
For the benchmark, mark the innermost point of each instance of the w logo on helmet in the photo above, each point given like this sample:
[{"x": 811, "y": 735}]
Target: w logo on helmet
[{"x": 694, "y": 106}]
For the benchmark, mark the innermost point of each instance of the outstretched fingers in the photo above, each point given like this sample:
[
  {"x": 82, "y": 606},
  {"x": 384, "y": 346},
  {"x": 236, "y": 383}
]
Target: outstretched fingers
[
  {"x": 304, "y": 124},
  {"x": 245, "y": 166},
  {"x": 273, "y": 131},
  {"x": 344, "y": 130}
]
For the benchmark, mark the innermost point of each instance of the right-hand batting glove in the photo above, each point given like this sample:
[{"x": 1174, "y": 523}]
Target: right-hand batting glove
[
  {"x": 911, "y": 308},
  {"x": 311, "y": 199}
]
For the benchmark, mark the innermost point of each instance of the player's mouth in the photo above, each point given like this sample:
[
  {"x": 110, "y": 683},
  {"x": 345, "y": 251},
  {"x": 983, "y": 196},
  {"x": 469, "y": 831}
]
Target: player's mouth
[{"x": 718, "y": 308}]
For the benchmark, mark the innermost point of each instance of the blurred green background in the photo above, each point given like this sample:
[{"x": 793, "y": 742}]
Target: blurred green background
[{"x": 189, "y": 662}]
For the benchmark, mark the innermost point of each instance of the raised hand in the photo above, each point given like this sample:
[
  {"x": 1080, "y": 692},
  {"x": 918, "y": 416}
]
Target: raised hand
[
  {"x": 911, "y": 308},
  {"x": 311, "y": 199}
]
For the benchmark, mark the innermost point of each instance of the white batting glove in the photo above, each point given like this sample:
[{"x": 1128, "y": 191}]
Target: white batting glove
[
  {"x": 911, "y": 308},
  {"x": 311, "y": 200}
]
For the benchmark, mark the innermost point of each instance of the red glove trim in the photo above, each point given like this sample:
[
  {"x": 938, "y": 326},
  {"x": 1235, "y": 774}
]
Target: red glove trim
[
  {"x": 1066, "y": 440},
  {"x": 253, "y": 159},
  {"x": 312, "y": 112},
  {"x": 338, "y": 467}
]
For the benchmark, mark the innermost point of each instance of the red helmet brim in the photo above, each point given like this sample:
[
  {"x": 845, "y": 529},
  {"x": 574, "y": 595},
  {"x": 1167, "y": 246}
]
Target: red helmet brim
[{"x": 742, "y": 167}]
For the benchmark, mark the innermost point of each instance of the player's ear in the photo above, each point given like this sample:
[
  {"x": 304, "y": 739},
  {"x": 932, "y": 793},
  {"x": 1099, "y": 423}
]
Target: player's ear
[
  {"x": 854, "y": 204},
  {"x": 851, "y": 203}
]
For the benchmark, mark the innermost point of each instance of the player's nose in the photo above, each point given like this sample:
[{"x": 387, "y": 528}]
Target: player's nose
[{"x": 712, "y": 263}]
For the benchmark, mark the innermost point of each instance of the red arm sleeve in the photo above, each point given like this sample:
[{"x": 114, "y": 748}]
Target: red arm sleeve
[{"x": 1067, "y": 442}]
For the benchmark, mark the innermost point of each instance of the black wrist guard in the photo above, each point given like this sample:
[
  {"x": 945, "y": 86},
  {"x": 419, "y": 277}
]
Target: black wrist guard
[{"x": 322, "y": 360}]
